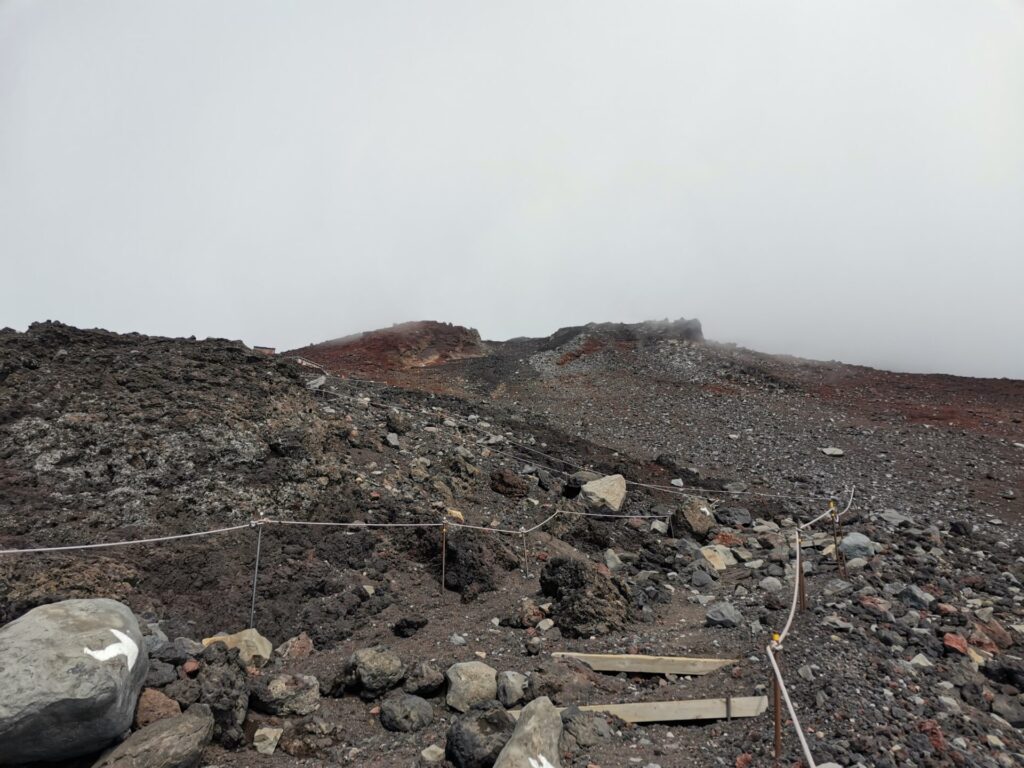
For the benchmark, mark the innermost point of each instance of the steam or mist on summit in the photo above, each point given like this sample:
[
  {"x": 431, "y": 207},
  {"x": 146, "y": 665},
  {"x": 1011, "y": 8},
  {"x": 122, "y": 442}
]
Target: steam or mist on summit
[{"x": 839, "y": 181}]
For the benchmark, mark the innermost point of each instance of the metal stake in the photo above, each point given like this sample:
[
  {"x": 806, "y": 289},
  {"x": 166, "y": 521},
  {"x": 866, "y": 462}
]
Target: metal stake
[
  {"x": 840, "y": 560},
  {"x": 255, "y": 573},
  {"x": 526, "y": 554},
  {"x": 444, "y": 552}
]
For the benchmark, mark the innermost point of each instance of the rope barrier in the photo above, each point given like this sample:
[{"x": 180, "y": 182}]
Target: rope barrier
[
  {"x": 506, "y": 530},
  {"x": 259, "y": 523},
  {"x": 777, "y": 641},
  {"x": 126, "y": 542},
  {"x": 357, "y": 524}
]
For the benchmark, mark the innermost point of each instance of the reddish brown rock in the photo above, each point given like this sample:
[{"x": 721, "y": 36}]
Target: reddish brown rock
[
  {"x": 980, "y": 639},
  {"x": 997, "y": 633},
  {"x": 728, "y": 539},
  {"x": 955, "y": 642},
  {"x": 875, "y": 604},
  {"x": 508, "y": 483},
  {"x": 934, "y": 733},
  {"x": 153, "y": 706},
  {"x": 299, "y": 647}
]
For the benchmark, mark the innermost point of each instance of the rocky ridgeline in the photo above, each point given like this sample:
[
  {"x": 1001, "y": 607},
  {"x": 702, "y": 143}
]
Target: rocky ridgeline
[{"x": 406, "y": 345}]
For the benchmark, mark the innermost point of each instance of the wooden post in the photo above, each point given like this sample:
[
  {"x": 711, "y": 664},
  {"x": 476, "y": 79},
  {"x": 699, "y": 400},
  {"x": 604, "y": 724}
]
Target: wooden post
[
  {"x": 777, "y": 704},
  {"x": 777, "y": 709},
  {"x": 801, "y": 589}
]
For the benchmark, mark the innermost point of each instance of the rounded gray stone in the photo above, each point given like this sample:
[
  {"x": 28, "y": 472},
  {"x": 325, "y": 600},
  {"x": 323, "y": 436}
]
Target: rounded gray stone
[{"x": 71, "y": 671}]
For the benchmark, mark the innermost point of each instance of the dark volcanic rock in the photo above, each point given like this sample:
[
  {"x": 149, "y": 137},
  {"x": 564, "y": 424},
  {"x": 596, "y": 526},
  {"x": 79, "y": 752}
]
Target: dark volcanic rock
[
  {"x": 285, "y": 694},
  {"x": 174, "y": 742},
  {"x": 406, "y": 712},
  {"x": 371, "y": 672},
  {"x": 508, "y": 483},
  {"x": 409, "y": 626},
  {"x": 424, "y": 679},
  {"x": 476, "y": 738},
  {"x": 586, "y": 603},
  {"x": 224, "y": 687},
  {"x": 475, "y": 561}
]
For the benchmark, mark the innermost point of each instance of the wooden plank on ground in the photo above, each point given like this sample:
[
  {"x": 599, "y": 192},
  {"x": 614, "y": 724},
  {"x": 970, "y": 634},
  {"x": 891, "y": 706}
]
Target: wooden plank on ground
[
  {"x": 654, "y": 665},
  {"x": 677, "y": 711}
]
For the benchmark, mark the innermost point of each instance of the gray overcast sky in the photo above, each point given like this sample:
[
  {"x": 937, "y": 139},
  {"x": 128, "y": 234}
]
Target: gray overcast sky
[{"x": 832, "y": 179}]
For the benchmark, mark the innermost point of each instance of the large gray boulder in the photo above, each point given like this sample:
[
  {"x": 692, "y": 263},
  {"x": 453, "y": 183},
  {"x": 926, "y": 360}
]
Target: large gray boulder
[
  {"x": 534, "y": 743},
  {"x": 471, "y": 683},
  {"x": 174, "y": 742},
  {"x": 70, "y": 676}
]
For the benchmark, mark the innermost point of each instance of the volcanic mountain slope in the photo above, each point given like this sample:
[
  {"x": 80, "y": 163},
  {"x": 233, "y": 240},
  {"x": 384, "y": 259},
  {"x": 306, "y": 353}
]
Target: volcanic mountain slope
[
  {"x": 909, "y": 656},
  {"x": 406, "y": 345},
  {"x": 935, "y": 442}
]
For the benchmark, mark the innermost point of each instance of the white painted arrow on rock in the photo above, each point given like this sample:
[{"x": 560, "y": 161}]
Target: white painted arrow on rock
[{"x": 124, "y": 647}]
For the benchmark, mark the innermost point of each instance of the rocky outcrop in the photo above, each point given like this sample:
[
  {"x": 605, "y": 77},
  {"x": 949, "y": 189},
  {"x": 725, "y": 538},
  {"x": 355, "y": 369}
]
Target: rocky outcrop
[
  {"x": 406, "y": 345},
  {"x": 72, "y": 671}
]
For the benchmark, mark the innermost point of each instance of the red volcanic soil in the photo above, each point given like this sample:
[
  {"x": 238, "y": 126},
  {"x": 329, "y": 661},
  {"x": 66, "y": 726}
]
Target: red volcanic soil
[
  {"x": 987, "y": 406},
  {"x": 407, "y": 345}
]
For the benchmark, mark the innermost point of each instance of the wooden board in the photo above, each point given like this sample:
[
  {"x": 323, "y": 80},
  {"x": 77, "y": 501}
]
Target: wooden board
[
  {"x": 676, "y": 711},
  {"x": 652, "y": 665}
]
